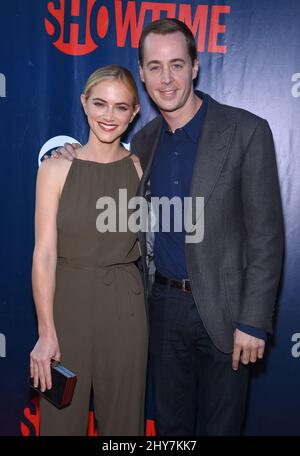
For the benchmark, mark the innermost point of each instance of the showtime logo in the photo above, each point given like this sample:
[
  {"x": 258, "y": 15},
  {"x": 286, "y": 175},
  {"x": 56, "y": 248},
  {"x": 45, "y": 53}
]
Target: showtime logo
[{"x": 78, "y": 27}]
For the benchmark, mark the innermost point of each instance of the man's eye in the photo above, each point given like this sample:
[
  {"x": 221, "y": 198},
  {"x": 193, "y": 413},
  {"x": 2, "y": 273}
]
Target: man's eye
[
  {"x": 177, "y": 66},
  {"x": 123, "y": 108},
  {"x": 97, "y": 103},
  {"x": 154, "y": 68}
]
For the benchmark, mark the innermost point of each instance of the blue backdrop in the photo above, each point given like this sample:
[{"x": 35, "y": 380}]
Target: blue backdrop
[{"x": 250, "y": 57}]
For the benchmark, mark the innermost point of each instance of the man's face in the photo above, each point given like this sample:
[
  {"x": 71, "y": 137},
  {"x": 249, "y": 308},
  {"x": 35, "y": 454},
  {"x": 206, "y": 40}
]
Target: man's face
[{"x": 167, "y": 71}]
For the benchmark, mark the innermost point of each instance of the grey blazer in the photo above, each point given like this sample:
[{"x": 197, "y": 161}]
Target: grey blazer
[{"x": 235, "y": 270}]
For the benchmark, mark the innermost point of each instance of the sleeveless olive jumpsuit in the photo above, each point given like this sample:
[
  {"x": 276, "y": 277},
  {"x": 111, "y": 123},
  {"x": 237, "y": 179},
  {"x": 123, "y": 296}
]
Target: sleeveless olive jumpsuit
[{"x": 99, "y": 307}]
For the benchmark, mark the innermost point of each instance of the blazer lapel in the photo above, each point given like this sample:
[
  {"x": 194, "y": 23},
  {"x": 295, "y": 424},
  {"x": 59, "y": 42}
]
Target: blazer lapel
[
  {"x": 213, "y": 148},
  {"x": 150, "y": 147}
]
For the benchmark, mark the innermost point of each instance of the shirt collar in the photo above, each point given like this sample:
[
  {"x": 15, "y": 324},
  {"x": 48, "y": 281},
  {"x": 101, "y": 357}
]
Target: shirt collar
[{"x": 192, "y": 127}]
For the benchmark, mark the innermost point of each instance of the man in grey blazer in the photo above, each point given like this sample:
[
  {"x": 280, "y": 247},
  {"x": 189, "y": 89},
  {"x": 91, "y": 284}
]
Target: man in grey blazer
[{"x": 212, "y": 302}]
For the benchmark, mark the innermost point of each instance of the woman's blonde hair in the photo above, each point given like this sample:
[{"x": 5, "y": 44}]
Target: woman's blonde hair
[{"x": 112, "y": 72}]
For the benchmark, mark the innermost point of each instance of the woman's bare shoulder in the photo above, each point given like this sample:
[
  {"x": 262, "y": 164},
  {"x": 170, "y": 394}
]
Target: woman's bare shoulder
[
  {"x": 137, "y": 164},
  {"x": 53, "y": 172},
  {"x": 135, "y": 158},
  {"x": 55, "y": 166}
]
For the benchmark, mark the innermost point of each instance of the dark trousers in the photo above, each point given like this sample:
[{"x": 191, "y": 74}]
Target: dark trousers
[{"x": 189, "y": 373}]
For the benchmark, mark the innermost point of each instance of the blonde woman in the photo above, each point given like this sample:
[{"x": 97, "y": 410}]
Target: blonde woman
[{"x": 87, "y": 289}]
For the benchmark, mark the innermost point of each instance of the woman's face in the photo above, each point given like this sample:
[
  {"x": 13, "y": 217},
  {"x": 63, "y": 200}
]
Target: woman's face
[{"x": 109, "y": 109}]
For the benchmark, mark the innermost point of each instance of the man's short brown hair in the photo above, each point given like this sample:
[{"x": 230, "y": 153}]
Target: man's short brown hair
[{"x": 165, "y": 27}]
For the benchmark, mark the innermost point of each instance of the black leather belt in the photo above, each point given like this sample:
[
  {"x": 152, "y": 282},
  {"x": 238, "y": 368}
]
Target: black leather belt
[{"x": 184, "y": 285}]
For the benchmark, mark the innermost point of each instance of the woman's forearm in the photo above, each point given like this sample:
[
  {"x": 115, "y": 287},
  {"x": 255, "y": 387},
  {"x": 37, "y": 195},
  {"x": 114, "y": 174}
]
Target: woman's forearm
[{"x": 43, "y": 286}]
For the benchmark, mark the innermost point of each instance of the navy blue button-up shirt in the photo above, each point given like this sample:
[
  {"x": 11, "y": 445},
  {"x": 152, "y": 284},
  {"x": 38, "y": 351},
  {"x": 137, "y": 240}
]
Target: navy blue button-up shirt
[{"x": 171, "y": 175}]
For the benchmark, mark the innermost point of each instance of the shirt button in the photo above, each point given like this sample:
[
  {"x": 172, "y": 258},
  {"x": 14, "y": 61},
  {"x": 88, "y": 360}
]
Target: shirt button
[{"x": 176, "y": 181}]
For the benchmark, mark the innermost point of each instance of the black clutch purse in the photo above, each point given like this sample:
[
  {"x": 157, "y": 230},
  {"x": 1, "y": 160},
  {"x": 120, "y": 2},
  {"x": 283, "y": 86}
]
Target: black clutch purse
[{"x": 63, "y": 385}]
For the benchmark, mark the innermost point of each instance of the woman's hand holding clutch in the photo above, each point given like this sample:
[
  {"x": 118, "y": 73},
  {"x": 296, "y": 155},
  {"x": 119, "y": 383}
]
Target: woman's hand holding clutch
[{"x": 45, "y": 350}]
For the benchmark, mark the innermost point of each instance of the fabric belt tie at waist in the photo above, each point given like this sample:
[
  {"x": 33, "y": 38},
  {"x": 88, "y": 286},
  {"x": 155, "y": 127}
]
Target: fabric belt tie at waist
[
  {"x": 110, "y": 272},
  {"x": 112, "y": 277}
]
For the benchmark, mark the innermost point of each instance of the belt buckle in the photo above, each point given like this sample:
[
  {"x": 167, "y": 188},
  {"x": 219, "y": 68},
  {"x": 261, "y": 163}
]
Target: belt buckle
[{"x": 183, "y": 281}]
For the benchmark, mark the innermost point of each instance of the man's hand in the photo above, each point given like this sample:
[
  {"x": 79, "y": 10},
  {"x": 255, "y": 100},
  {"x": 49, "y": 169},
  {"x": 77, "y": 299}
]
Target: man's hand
[
  {"x": 69, "y": 151},
  {"x": 246, "y": 349}
]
